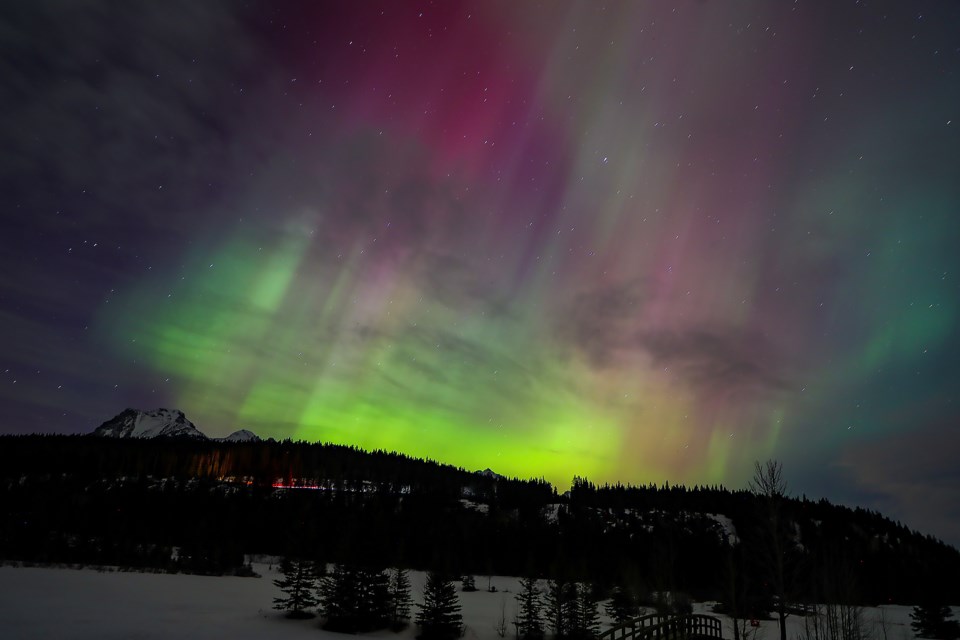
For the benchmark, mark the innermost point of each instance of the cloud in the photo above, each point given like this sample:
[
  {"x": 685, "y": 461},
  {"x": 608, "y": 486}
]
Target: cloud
[
  {"x": 720, "y": 359},
  {"x": 457, "y": 284},
  {"x": 605, "y": 326},
  {"x": 599, "y": 324}
]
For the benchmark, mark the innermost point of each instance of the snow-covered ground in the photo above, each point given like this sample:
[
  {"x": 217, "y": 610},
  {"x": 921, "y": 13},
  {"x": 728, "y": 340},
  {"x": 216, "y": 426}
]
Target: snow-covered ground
[{"x": 38, "y": 603}]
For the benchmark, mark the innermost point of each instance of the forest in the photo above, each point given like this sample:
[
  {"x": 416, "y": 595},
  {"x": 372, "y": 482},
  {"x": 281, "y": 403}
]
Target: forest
[{"x": 201, "y": 506}]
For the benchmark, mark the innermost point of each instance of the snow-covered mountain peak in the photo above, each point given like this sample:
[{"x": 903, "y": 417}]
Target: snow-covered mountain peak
[
  {"x": 241, "y": 435},
  {"x": 134, "y": 423},
  {"x": 489, "y": 473}
]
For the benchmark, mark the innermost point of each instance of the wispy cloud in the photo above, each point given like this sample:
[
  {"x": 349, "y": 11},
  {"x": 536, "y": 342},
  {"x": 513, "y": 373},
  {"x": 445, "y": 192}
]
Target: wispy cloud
[
  {"x": 599, "y": 323},
  {"x": 717, "y": 359}
]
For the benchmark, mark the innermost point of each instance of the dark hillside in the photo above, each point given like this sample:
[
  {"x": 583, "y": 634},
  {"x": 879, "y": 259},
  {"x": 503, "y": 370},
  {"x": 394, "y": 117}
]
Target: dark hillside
[{"x": 187, "y": 505}]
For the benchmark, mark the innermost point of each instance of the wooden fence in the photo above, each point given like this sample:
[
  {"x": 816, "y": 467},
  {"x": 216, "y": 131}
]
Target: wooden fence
[{"x": 691, "y": 626}]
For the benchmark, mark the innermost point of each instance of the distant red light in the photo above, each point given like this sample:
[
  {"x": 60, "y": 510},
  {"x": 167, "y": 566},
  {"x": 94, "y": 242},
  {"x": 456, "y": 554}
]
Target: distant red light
[{"x": 313, "y": 487}]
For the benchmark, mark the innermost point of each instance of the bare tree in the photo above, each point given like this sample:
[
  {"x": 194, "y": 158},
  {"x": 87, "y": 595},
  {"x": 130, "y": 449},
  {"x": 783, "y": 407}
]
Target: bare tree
[
  {"x": 736, "y": 598},
  {"x": 834, "y": 622},
  {"x": 836, "y": 584},
  {"x": 882, "y": 623},
  {"x": 769, "y": 485},
  {"x": 501, "y": 625},
  {"x": 768, "y": 481}
]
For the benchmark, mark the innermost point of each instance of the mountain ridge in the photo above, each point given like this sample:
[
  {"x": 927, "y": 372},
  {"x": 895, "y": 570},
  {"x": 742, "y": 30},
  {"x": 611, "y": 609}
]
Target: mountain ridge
[{"x": 162, "y": 423}]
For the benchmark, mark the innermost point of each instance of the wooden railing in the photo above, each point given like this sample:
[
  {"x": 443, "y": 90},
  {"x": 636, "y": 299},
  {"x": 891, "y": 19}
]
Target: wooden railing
[{"x": 690, "y": 626}]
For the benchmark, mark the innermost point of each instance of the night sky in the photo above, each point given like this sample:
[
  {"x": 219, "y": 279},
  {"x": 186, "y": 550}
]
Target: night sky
[{"x": 633, "y": 241}]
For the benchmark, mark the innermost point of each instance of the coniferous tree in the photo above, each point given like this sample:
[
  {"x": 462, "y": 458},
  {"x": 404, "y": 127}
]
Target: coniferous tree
[
  {"x": 583, "y": 620},
  {"x": 560, "y": 600},
  {"x": 439, "y": 617},
  {"x": 530, "y": 611},
  {"x": 622, "y": 606},
  {"x": 467, "y": 583},
  {"x": 299, "y": 586},
  {"x": 340, "y": 599},
  {"x": 933, "y": 621},
  {"x": 355, "y": 599},
  {"x": 571, "y": 612},
  {"x": 374, "y": 607},
  {"x": 399, "y": 598}
]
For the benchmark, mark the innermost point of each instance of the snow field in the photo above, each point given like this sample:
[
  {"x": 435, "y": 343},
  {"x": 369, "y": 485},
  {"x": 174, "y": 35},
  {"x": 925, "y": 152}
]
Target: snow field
[{"x": 68, "y": 604}]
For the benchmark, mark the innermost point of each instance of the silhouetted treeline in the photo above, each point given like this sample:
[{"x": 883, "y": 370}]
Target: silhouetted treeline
[
  {"x": 260, "y": 463},
  {"x": 183, "y": 505}
]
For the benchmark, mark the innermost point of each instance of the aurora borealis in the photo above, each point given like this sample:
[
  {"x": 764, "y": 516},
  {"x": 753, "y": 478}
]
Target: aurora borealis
[{"x": 633, "y": 241}]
